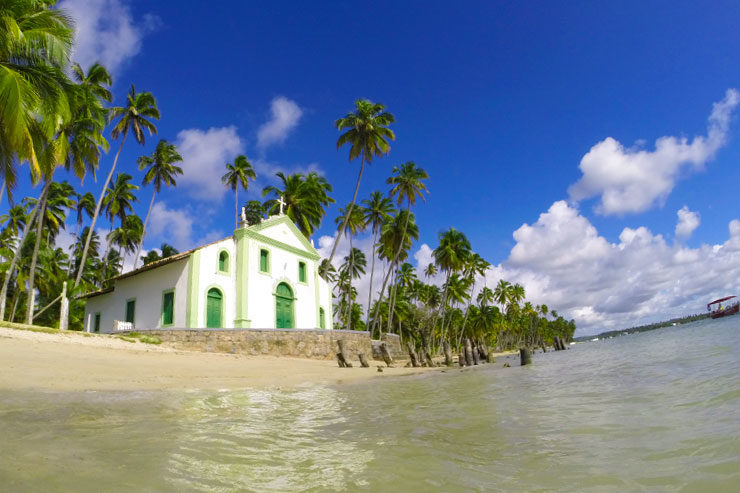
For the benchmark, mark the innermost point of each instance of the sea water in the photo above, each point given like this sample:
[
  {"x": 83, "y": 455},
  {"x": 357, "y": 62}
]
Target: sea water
[{"x": 656, "y": 411}]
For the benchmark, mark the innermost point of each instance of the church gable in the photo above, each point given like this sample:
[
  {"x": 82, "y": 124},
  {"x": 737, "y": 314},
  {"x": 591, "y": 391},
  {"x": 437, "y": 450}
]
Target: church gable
[{"x": 282, "y": 230}]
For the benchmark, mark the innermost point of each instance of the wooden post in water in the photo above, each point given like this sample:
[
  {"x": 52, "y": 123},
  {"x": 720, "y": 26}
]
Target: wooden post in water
[
  {"x": 363, "y": 360},
  {"x": 461, "y": 359},
  {"x": 64, "y": 309},
  {"x": 525, "y": 355},
  {"x": 344, "y": 361},
  {"x": 483, "y": 352},
  {"x": 428, "y": 358},
  {"x": 386, "y": 354},
  {"x": 476, "y": 356},
  {"x": 556, "y": 343},
  {"x": 448, "y": 353},
  {"x": 468, "y": 352}
]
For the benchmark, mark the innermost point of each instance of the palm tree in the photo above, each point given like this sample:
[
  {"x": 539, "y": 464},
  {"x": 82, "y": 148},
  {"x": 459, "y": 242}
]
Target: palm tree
[
  {"x": 36, "y": 43},
  {"x": 134, "y": 118},
  {"x": 161, "y": 171},
  {"x": 430, "y": 270},
  {"x": 378, "y": 210},
  {"x": 128, "y": 236},
  {"x": 238, "y": 174},
  {"x": 353, "y": 268},
  {"x": 118, "y": 202},
  {"x": 355, "y": 222},
  {"x": 305, "y": 198},
  {"x": 485, "y": 297},
  {"x": 167, "y": 250},
  {"x": 368, "y": 136},
  {"x": 450, "y": 256}
]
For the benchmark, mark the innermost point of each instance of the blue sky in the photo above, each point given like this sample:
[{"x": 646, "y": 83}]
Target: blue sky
[{"x": 499, "y": 101}]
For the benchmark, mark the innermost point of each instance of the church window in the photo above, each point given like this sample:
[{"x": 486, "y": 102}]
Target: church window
[
  {"x": 130, "y": 310},
  {"x": 322, "y": 318},
  {"x": 223, "y": 262},
  {"x": 264, "y": 260},
  {"x": 302, "y": 271},
  {"x": 168, "y": 308},
  {"x": 96, "y": 325}
]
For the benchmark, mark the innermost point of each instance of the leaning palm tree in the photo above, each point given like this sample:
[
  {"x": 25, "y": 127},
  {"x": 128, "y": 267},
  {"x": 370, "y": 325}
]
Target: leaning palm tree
[
  {"x": 353, "y": 223},
  {"x": 450, "y": 256},
  {"x": 135, "y": 118},
  {"x": 368, "y": 135},
  {"x": 378, "y": 210},
  {"x": 161, "y": 171},
  {"x": 238, "y": 174}
]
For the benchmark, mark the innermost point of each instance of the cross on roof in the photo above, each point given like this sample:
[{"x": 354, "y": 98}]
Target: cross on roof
[{"x": 282, "y": 203}]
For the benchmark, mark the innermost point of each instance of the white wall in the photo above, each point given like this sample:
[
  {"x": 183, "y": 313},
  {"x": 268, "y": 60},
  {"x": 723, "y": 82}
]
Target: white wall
[
  {"x": 147, "y": 288},
  {"x": 210, "y": 277}
]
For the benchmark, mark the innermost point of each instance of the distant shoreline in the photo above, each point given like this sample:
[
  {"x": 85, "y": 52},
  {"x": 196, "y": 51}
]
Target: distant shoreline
[{"x": 73, "y": 361}]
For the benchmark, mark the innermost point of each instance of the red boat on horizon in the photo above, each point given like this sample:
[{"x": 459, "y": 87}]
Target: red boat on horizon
[{"x": 724, "y": 307}]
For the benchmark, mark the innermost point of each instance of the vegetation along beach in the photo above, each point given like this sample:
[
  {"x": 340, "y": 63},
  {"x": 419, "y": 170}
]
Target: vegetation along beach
[{"x": 387, "y": 247}]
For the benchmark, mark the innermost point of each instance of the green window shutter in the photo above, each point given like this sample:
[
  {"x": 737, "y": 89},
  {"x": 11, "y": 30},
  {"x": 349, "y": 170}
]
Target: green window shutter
[
  {"x": 264, "y": 260},
  {"x": 223, "y": 262},
  {"x": 96, "y": 327},
  {"x": 168, "y": 308},
  {"x": 130, "y": 310},
  {"x": 302, "y": 271},
  {"x": 213, "y": 309},
  {"x": 322, "y": 318}
]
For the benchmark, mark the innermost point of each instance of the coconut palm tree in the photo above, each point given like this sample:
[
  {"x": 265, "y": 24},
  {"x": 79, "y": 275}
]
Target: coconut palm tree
[
  {"x": 305, "y": 198},
  {"x": 167, "y": 250},
  {"x": 162, "y": 171},
  {"x": 118, "y": 202},
  {"x": 238, "y": 175},
  {"x": 354, "y": 222},
  {"x": 127, "y": 237},
  {"x": 353, "y": 268},
  {"x": 36, "y": 43},
  {"x": 135, "y": 118},
  {"x": 378, "y": 210},
  {"x": 368, "y": 135},
  {"x": 450, "y": 256}
]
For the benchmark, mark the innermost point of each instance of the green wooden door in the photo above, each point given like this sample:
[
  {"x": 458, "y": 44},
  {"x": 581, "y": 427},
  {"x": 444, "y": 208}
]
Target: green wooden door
[
  {"x": 213, "y": 309},
  {"x": 283, "y": 307}
]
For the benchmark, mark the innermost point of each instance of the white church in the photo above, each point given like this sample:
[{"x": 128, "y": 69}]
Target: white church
[{"x": 264, "y": 276}]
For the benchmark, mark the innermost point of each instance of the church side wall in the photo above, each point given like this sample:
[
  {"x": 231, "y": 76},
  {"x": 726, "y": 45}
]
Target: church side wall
[
  {"x": 147, "y": 288},
  {"x": 210, "y": 277}
]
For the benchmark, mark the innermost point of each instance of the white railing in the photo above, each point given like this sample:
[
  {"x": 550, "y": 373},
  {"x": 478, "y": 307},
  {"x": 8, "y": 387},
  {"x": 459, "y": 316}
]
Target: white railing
[{"x": 119, "y": 326}]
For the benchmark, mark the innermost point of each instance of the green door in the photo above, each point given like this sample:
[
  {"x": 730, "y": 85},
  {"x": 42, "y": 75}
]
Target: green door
[
  {"x": 283, "y": 307},
  {"x": 213, "y": 309}
]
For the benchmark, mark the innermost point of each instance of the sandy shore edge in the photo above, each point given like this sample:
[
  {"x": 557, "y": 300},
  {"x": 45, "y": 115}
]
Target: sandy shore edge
[{"x": 73, "y": 361}]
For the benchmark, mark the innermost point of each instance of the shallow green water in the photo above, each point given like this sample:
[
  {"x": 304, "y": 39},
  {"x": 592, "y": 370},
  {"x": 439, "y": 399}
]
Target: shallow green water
[{"x": 659, "y": 411}]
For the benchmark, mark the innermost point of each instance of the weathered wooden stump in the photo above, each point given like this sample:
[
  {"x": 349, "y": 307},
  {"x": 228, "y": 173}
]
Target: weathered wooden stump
[
  {"x": 413, "y": 357},
  {"x": 363, "y": 360},
  {"x": 448, "y": 353},
  {"x": 476, "y": 356},
  {"x": 386, "y": 354},
  {"x": 483, "y": 353},
  {"x": 468, "y": 353},
  {"x": 525, "y": 355},
  {"x": 342, "y": 355},
  {"x": 544, "y": 348},
  {"x": 461, "y": 359}
]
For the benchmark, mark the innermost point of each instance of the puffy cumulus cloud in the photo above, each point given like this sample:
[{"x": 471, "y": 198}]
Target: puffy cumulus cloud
[
  {"x": 172, "y": 226},
  {"x": 204, "y": 154},
  {"x": 562, "y": 261},
  {"x": 632, "y": 180},
  {"x": 688, "y": 221},
  {"x": 106, "y": 32},
  {"x": 285, "y": 117}
]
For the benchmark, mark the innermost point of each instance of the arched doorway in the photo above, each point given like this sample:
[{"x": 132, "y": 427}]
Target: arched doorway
[
  {"x": 214, "y": 304},
  {"x": 284, "y": 307}
]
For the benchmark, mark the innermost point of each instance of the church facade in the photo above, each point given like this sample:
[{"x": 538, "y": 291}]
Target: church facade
[{"x": 265, "y": 276}]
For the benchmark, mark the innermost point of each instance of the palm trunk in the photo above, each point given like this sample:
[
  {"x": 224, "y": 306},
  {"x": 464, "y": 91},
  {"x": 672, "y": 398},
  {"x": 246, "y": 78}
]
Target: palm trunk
[
  {"x": 2, "y": 191},
  {"x": 143, "y": 232},
  {"x": 370, "y": 293},
  {"x": 107, "y": 251},
  {"x": 349, "y": 211},
  {"x": 236, "y": 207},
  {"x": 376, "y": 323},
  {"x": 16, "y": 256},
  {"x": 32, "y": 274},
  {"x": 97, "y": 212},
  {"x": 349, "y": 281},
  {"x": 390, "y": 296}
]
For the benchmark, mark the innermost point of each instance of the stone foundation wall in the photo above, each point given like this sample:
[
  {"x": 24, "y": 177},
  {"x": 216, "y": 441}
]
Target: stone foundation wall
[{"x": 298, "y": 343}]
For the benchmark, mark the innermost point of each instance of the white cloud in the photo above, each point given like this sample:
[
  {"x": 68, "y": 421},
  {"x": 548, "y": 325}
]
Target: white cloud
[
  {"x": 688, "y": 221},
  {"x": 633, "y": 180},
  {"x": 106, "y": 32},
  {"x": 205, "y": 154},
  {"x": 285, "y": 117},
  {"x": 172, "y": 226}
]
